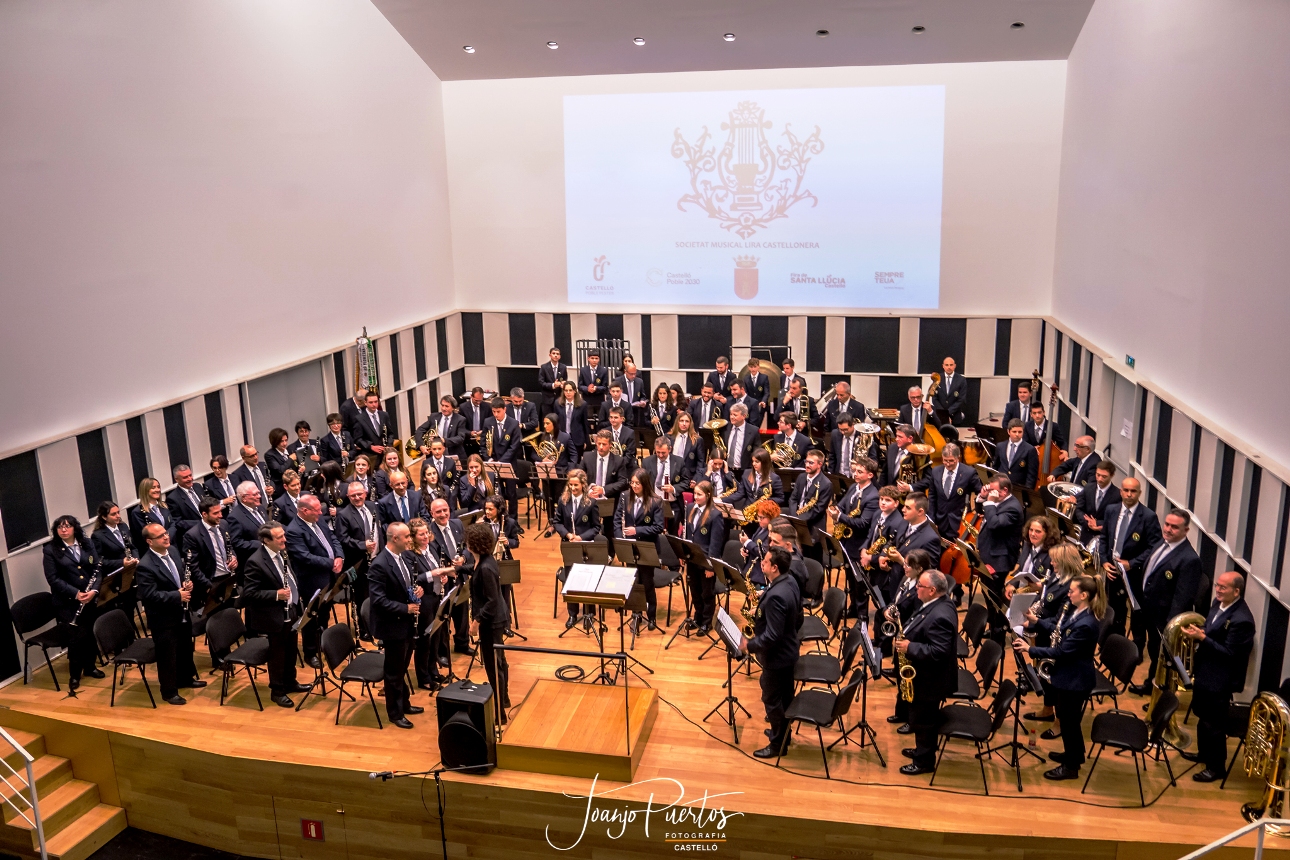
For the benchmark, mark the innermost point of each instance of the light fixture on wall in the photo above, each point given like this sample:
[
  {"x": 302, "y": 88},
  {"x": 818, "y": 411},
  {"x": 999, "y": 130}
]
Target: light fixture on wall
[
  {"x": 1017, "y": 25},
  {"x": 469, "y": 49},
  {"x": 821, "y": 33},
  {"x": 919, "y": 30},
  {"x": 553, "y": 45},
  {"x": 729, "y": 37},
  {"x": 638, "y": 41}
]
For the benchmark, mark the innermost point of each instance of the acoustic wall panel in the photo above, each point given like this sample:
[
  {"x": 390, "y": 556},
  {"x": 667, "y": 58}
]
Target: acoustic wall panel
[
  {"x": 453, "y": 332},
  {"x": 96, "y": 476},
  {"x": 978, "y": 351},
  {"x": 797, "y": 337},
  {"x": 122, "y": 470},
  {"x": 495, "y": 330},
  {"x": 907, "y": 360},
  {"x": 582, "y": 327},
  {"x": 666, "y": 356},
  {"x": 199, "y": 437},
  {"x": 864, "y": 387},
  {"x": 1024, "y": 348},
  {"x": 384, "y": 378},
  {"x": 544, "y": 339},
  {"x": 60, "y": 479},
  {"x": 407, "y": 358},
  {"x": 632, "y": 334},
  {"x": 154, "y": 434}
]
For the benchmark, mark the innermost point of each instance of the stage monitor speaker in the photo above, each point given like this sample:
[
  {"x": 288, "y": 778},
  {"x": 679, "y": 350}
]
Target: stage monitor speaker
[{"x": 466, "y": 736}]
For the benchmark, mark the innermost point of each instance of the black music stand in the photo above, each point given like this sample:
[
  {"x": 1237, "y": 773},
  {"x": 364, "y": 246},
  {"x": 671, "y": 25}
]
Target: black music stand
[
  {"x": 636, "y": 553},
  {"x": 508, "y": 570},
  {"x": 733, "y": 578},
  {"x": 550, "y": 487},
  {"x": 804, "y": 536},
  {"x": 318, "y": 686},
  {"x": 585, "y": 552},
  {"x": 1028, "y": 681},
  {"x": 730, "y": 636},
  {"x": 604, "y": 587},
  {"x": 873, "y": 664},
  {"x": 687, "y": 553},
  {"x": 470, "y": 517},
  {"x": 441, "y": 615}
]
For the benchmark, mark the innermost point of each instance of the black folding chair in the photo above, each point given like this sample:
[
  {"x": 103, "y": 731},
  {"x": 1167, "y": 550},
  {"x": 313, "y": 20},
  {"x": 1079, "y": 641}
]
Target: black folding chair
[
  {"x": 1123, "y": 730},
  {"x": 973, "y": 630},
  {"x": 1238, "y": 726},
  {"x": 366, "y": 668},
  {"x": 821, "y": 631},
  {"x": 822, "y": 708},
  {"x": 971, "y": 722},
  {"x": 1119, "y": 656},
  {"x": 114, "y": 633},
  {"x": 223, "y": 630},
  {"x": 987, "y": 664},
  {"x": 825, "y": 668},
  {"x": 30, "y": 614}
]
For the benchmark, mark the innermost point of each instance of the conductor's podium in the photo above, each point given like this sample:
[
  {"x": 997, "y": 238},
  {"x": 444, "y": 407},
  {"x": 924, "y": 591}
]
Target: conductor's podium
[{"x": 582, "y": 730}]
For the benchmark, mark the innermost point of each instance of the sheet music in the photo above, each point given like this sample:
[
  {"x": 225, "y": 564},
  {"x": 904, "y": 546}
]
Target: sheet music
[
  {"x": 1017, "y": 609},
  {"x": 583, "y": 578},
  {"x": 617, "y": 581},
  {"x": 1023, "y": 579},
  {"x": 728, "y": 628}
]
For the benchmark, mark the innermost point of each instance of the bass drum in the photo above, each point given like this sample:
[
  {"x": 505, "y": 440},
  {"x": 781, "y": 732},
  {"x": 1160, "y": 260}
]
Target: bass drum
[{"x": 974, "y": 447}]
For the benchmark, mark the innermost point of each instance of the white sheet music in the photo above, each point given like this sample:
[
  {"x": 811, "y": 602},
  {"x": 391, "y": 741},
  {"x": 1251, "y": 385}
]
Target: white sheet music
[
  {"x": 583, "y": 578},
  {"x": 729, "y": 629},
  {"x": 617, "y": 581},
  {"x": 1017, "y": 609}
]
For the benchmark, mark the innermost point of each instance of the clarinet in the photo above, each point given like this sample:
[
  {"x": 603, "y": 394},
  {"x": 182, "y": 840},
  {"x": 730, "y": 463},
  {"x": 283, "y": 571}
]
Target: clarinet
[
  {"x": 189, "y": 561},
  {"x": 94, "y": 586}
]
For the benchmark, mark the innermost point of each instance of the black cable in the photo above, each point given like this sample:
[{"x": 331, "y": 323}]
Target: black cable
[{"x": 572, "y": 672}]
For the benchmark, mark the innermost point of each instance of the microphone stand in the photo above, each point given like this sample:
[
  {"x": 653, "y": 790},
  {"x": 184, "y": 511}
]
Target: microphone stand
[{"x": 440, "y": 793}]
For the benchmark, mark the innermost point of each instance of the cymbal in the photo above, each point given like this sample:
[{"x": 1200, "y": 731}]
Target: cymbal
[{"x": 921, "y": 449}]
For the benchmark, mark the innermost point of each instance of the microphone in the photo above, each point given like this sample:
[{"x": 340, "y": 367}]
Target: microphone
[{"x": 383, "y": 776}]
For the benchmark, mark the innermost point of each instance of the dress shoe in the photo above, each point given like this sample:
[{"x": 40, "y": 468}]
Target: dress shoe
[
  {"x": 463, "y": 649},
  {"x": 176, "y": 700},
  {"x": 908, "y": 752},
  {"x": 653, "y": 625},
  {"x": 768, "y": 751},
  {"x": 445, "y": 661},
  {"x": 1049, "y": 735},
  {"x": 427, "y": 685},
  {"x": 402, "y": 722},
  {"x": 314, "y": 662},
  {"x": 703, "y": 630},
  {"x": 284, "y": 702},
  {"x": 196, "y": 684},
  {"x": 1057, "y": 757},
  {"x": 906, "y": 729},
  {"x": 1062, "y": 771},
  {"x": 1039, "y": 718},
  {"x": 1190, "y": 756},
  {"x": 94, "y": 673},
  {"x": 916, "y": 769},
  {"x": 1139, "y": 689},
  {"x": 895, "y": 719},
  {"x": 414, "y": 709},
  {"x": 1207, "y": 775},
  {"x": 298, "y": 688},
  {"x": 568, "y": 624},
  {"x": 73, "y": 684}
]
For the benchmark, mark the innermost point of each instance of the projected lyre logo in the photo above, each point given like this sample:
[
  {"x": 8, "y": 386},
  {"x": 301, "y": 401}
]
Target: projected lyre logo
[
  {"x": 755, "y": 183},
  {"x": 598, "y": 267}
]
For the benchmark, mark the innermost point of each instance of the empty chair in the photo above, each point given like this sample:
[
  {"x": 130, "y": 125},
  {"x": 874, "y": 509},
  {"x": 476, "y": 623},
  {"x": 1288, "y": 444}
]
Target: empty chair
[
  {"x": 664, "y": 578},
  {"x": 1104, "y": 628},
  {"x": 822, "y": 708},
  {"x": 972, "y": 630},
  {"x": 116, "y": 640},
  {"x": 1123, "y": 730},
  {"x": 1119, "y": 656},
  {"x": 30, "y": 614},
  {"x": 971, "y": 722},
  {"x": 825, "y": 668},
  {"x": 223, "y": 630},
  {"x": 1238, "y": 726},
  {"x": 367, "y": 668},
  {"x": 987, "y": 663},
  {"x": 818, "y": 630},
  {"x": 813, "y": 591}
]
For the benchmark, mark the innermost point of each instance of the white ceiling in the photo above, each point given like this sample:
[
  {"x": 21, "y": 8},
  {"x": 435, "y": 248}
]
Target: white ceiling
[{"x": 595, "y": 36}]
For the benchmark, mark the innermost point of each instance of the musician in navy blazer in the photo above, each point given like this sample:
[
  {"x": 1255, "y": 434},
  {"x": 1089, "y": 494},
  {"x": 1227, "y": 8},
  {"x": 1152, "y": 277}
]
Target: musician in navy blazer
[
  {"x": 449, "y": 426},
  {"x": 184, "y": 501},
  {"x": 1073, "y": 675},
  {"x": 336, "y": 445},
  {"x": 1017, "y": 458},
  {"x": 1165, "y": 583},
  {"x": 1098, "y": 495},
  {"x": 856, "y": 511},
  {"x": 845, "y": 445},
  {"x": 843, "y": 404},
  {"x": 73, "y": 569},
  {"x": 401, "y": 497},
  {"x": 721, "y": 378},
  {"x": 571, "y": 417},
  {"x": 504, "y": 432},
  {"x": 757, "y": 386},
  {"x": 1081, "y": 467},
  {"x": 551, "y": 379},
  {"x": 930, "y": 647},
  {"x": 162, "y": 595},
  {"x": 1037, "y": 427},
  {"x": 706, "y": 528},
  {"x": 947, "y": 506},
  {"x": 394, "y": 603},
  {"x": 639, "y": 517},
  {"x": 740, "y": 398},
  {"x": 1018, "y": 409},
  {"x": 950, "y": 398},
  {"x": 1221, "y": 660},
  {"x": 450, "y": 536},
  {"x": 316, "y": 557},
  {"x": 210, "y": 552},
  {"x": 1130, "y": 531},
  {"x": 373, "y": 430},
  {"x": 252, "y": 470}
]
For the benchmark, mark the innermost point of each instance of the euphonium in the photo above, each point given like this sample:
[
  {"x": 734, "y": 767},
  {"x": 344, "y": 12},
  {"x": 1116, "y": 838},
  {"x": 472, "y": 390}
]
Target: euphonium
[
  {"x": 616, "y": 447},
  {"x": 1267, "y": 756},
  {"x": 1179, "y": 645},
  {"x": 782, "y": 454}
]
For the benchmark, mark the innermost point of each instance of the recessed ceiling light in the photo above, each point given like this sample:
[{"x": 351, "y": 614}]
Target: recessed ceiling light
[
  {"x": 920, "y": 29},
  {"x": 469, "y": 49},
  {"x": 638, "y": 41},
  {"x": 729, "y": 37},
  {"x": 553, "y": 45},
  {"x": 1017, "y": 25},
  {"x": 821, "y": 33}
]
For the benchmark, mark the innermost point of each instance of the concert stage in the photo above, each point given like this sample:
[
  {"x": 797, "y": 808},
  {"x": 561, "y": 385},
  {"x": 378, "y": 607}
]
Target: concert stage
[{"x": 244, "y": 781}]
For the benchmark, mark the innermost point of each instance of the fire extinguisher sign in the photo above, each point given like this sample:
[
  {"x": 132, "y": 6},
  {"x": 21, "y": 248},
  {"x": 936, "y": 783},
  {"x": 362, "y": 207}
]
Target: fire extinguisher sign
[{"x": 312, "y": 830}]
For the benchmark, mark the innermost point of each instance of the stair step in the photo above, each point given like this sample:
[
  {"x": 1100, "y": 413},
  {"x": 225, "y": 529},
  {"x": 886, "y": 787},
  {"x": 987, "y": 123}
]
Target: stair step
[
  {"x": 87, "y": 834},
  {"x": 50, "y": 772},
  {"x": 60, "y": 807},
  {"x": 33, "y": 743}
]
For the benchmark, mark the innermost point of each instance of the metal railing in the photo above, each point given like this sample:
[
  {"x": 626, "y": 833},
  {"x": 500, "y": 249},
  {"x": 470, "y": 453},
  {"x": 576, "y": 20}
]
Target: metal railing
[
  {"x": 1260, "y": 827},
  {"x": 25, "y": 791}
]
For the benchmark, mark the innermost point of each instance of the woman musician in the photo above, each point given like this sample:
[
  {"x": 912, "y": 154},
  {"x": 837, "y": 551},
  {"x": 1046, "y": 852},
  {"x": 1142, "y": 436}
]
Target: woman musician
[
  {"x": 391, "y": 462},
  {"x": 661, "y": 414},
  {"x": 328, "y": 484},
  {"x": 639, "y": 517},
  {"x": 916, "y": 564},
  {"x": 474, "y": 486},
  {"x": 505, "y": 528},
  {"x": 73, "y": 570},
  {"x": 754, "y": 546},
  {"x": 576, "y": 518},
  {"x": 553, "y": 437},
  {"x": 679, "y": 399},
  {"x": 433, "y": 487},
  {"x": 152, "y": 509},
  {"x": 758, "y": 477},
  {"x": 490, "y": 615},
  {"x": 360, "y": 470},
  {"x": 689, "y": 446},
  {"x": 276, "y": 459},
  {"x": 1072, "y": 676},
  {"x": 1065, "y": 565},
  {"x": 1040, "y": 536},
  {"x": 706, "y": 529},
  {"x": 571, "y": 418}
]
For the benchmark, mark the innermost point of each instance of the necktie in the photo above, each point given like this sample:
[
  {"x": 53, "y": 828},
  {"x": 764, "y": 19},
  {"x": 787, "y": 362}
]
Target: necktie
[
  {"x": 474, "y": 420},
  {"x": 120, "y": 536},
  {"x": 170, "y": 566},
  {"x": 949, "y": 483},
  {"x": 573, "y": 507},
  {"x": 568, "y": 417},
  {"x": 735, "y": 445},
  {"x": 680, "y": 445},
  {"x": 660, "y": 475},
  {"x": 716, "y": 483},
  {"x": 756, "y": 482},
  {"x": 217, "y": 541},
  {"x": 600, "y": 472},
  {"x": 403, "y": 507},
  {"x": 517, "y": 415},
  {"x": 1097, "y": 503},
  {"x": 1155, "y": 560},
  {"x": 259, "y": 518},
  {"x": 1012, "y": 453},
  {"x": 318, "y": 534},
  {"x": 192, "y": 497},
  {"x": 706, "y": 409},
  {"x": 846, "y": 452},
  {"x": 636, "y": 512},
  {"x": 367, "y": 520},
  {"x": 1121, "y": 529},
  {"x": 452, "y": 544},
  {"x": 76, "y": 552},
  {"x": 443, "y": 427}
]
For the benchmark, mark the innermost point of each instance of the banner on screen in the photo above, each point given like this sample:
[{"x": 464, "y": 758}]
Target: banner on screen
[{"x": 783, "y": 198}]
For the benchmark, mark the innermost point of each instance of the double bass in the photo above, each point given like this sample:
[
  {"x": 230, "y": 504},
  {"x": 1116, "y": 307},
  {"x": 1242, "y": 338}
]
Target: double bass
[{"x": 1050, "y": 456}]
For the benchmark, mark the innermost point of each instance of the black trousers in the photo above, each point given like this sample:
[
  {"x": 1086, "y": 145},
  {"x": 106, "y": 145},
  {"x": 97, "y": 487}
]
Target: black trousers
[
  {"x": 776, "y": 695},
  {"x": 703, "y": 593},
  {"x": 925, "y": 717},
  {"x": 283, "y": 647},
  {"x": 1118, "y": 599},
  {"x": 427, "y": 649},
  {"x": 1145, "y": 629},
  {"x": 397, "y": 695},
  {"x": 82, "y": 650},
  {"x": 1210, "y": 708},
  {"x": 174, "y": 644},
  {"x": 495, "y": 664},
  {"x": 858, "y": 592},
  {"x": 645, "y": 579},
  {"x": 1069, "y": 707}
]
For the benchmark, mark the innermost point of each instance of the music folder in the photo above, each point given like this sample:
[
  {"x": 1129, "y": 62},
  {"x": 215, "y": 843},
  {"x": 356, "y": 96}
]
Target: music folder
[
  {"x": 1017, "y": 609},
  {"x": 599, "y": 584}
]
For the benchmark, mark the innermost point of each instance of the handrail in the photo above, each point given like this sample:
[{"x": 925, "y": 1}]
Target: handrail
[
  {"x": 30, "y": 798},
  {"x": 1261, "y": 826}
]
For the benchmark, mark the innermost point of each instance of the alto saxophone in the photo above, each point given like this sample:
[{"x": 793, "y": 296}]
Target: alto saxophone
[
  {"x": 842, "y": 531},
  {"x": 806, "y": 506},
  {"x": 488, "y": 445},
  {"x": 1044, "y": 668},
  {"x": 749, "y": 512},
  {"x": 904, "y": 669},
  {"x": 749, "y": 610}
]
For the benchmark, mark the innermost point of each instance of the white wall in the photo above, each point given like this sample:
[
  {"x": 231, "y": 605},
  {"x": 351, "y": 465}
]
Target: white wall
[
  {"x": 195, "y": 192},
  {"x": 1175, "y": 201},
  {"x": 1002, "y": 153}
]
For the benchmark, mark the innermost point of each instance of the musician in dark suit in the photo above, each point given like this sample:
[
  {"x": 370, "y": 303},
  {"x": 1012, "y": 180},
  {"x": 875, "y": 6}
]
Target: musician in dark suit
[
  {"x": 551, "y": 379},
  {"x": 725, "y": 486},
  {"x": 739, "y": 397},
  {"x": 524, "y": 413},
  {"x": 395, "y": 602},
  {"x": 446, "y": 466},
  {"x": 721, "y": 379},
  {"x": 251, "y": 470},
  {"x": 741, "y": 438},
  {"x": 706, "y": 528},
  {"x": 361, "y": 533},
  {"x": 219, "y": 483},
  {"x": 286, "y": 502},
  {"x": 184, "y": 501},
  {"x": 794, "y": 401},
  {"x": 303, "y": 452},
  {"x": 856, "y": 511},
  {"x": 615, "y": 400},
  {"x": 1036, "y": 427},
  {"x": 1130, "y": 531},
  {"x": 1165, "y": 583},
  {"x": 475, "y": 412},
  {"x": 757, "y": 386},
  {"x": 160, "y": 578},
  {"x": 576, "y": 518},
  {"x": 450, "y": 427},
  {"x": 351, "y": 408},
  {"x": 373, "y": 431},
  {"x": 788, "y": 435},
  {"x": 593, "y": 382},
  {"x": 635, "y": 393},
  {"x": 845, "y": 445},
  {"x": 110, "y": 538},
  {"x": 1017, "y": 458},
  {"x": 1222, "y": 657},
  {"x": 889, "y": 526},
  {"x": 843, "y": 404},
  {"x": 151, "y": 509},
  {"x": 74, "y": 573},
  {"x": 244, "y": 519},
  {"x": 999, "y": 542},
  {"x": 501, "y": 443},
  {"x": 435, "y": 575},
  {"x": 450, "y": 536},
  {"x": 929, "y": 644},
  {"x": 897, "y": 451},
  {"x": 401, "y": 504},
  {"x": 666, "y": 473},
  {"x": 490, "y": 613},
  {"x": 606, "y": 470},
  {"x": 904, "y": 602},
  {"x": 1097, "y": 496},
  {"x": 761, "y": 474},
  {"x": 811, "y": 497},
  {"x": 917, "y": 413},
  {"x": 776, "y": 641},
  {"x": 1081, "y": 467},
  {"x": 1072, "y": 676},
  {"x": 706, "y": 407},
  {"x": 336, "y": 445},
  {"x": 271, "y": 597},
  {"x": 949, "y": 488},
  {"x": 1019, "y": 409},
  {"x": 210, "y": 546},
  {"x": 316, "y": 557},
  {"x": 920, "y": 533},
  {"x": 551, "y": 434},
  {"x": 950, "y": 398},
  {"x": 571, "y": 417},
  {"x": 276, "y": 460},
  {"x": 639, "y": 517}
]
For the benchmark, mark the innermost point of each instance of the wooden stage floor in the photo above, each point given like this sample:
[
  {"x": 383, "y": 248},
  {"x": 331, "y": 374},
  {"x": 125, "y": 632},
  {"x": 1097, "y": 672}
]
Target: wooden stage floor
[{"x": 179, "y": 767}]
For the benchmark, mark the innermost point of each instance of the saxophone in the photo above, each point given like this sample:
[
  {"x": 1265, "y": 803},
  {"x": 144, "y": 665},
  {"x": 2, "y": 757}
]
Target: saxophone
[
  {"x": 841, "y": 531},
  {"x": 1267, "y": 756},
  {"x": 488, "y": 445},
  {"x": 904, "y": 669},
  {"x": 810, "y": 503},
  {"x": 749, "y": 512},
  {"x": 1044, "y": 668},
  {"x": 749, "y": 610}
]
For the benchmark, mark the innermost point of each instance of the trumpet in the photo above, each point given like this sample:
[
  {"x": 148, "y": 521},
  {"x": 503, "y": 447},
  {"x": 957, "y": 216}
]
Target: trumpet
[{"x": 657, "y": 424}]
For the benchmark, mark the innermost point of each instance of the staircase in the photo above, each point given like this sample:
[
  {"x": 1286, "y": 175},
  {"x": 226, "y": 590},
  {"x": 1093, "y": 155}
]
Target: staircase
[{"x": 75, "y": 822}]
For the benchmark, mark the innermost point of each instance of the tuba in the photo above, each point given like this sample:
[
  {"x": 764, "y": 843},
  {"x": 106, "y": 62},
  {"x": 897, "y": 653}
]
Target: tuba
[
  {"x": 1178, "y": 645},
  {"x": 1267, "y": 757}
]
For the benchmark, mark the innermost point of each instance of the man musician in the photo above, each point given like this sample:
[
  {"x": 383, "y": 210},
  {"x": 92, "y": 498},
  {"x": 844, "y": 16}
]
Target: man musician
[
  {"x": 551, "y": 379},
  {"x": 843, "y": 404},
  {"x": 706, "y": 407},
  {"x": 504, "y": 431},
  {"x": 1130, "y": 531},
  {"x": 593, "y": 382},
  {"x": 1036, "y": 428},
  {"x": 857, "y": 510},
  {"x": 373, "y": 430},
  {"x": 797, "y": 403},
  {"x": 1097, "y": 496},
  {"x": 450, "y": 426},
  {"x": 720, "y": 380},
  {"x": 776, "y": 642},
  {"x": 788, "y": 435},
  {"x": 316, "y": 557},
  {"x": 920, "y": 533},
  {"x": 395, "y": 604},
  {"x": 917, "y": 413},
  {"x": 450, "y": 537},
  {"x": 950, "y": 399},
  {"x": 757, "y": 386},
  {"x": 1165, "y": 584},
  {"x": 1016, "y": 457},
  {"x": 738, "y": 397},
  {"x": 1019, "y": 409},
  {"x": 999, "y": 543},
  {"x": 271, "y": 597},
  {"x": 741, "y": 437},
  {"x": 929, "y": 644},
  {"x": 359, "y": 529},
  {"x": 811, "y": 497},
  {"x": 474, "y": 412},
  {"x": 949, "y": 488},
  {"x": 210, "y": 546},
  {"x": 163, "y": 591},
  {"x": 1079, "y": 468}
]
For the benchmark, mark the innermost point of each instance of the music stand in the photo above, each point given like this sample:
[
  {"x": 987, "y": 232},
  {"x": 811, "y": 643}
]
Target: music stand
[
  {"x": 804, "y": 536},
  {"x": 636, "y": 553},
  {"x": 579, "y": 552},
  {"x": 508, "y": 571},
  {"x": 318, "y": 686},
  {"x": 601, "y": 585},
  {"x": 549, "y": 486},
  {"x": 873, "y": 663},
  {"x": 1028, "y": 681},
  {"x": 733, "y": 579},
  {"x": 858, "y": 571},
  {"x": 731, "y": 637},
  {"x": 441, "y": 615}
]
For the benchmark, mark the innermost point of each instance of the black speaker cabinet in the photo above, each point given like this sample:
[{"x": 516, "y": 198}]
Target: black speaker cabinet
[{"x": 466, "y": 736}]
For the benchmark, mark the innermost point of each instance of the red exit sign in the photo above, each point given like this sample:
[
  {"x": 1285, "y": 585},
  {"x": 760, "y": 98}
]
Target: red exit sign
[{"x": 310, "y": 829}]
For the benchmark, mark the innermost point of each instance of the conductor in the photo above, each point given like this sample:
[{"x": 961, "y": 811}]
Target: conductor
[
  {"x": 775, "y": 641},
  {"x": 929, "y": 646}
]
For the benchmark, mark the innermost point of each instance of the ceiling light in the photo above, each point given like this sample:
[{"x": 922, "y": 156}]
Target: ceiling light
[
  {"x": 638, "y": 41},
  {"x": 553, "y": 45},
  {"x": 729, "y": 37},
  {"x": 1017, "y": 25},
  {"x": 920, "y": 29},
  {"x": 469, "y": 49},
  {"x": 821, "y": 33}
]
